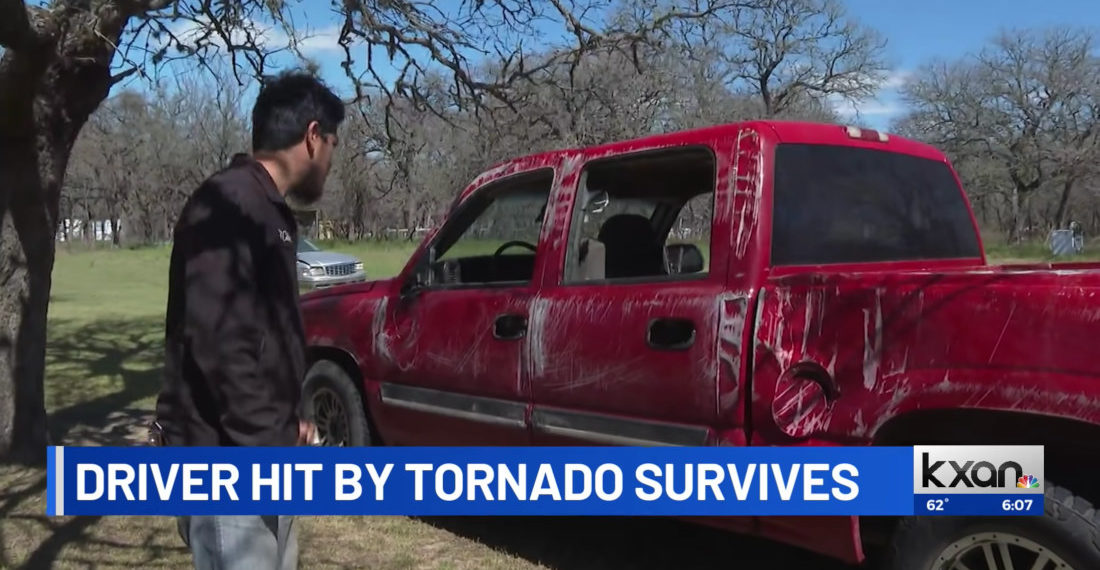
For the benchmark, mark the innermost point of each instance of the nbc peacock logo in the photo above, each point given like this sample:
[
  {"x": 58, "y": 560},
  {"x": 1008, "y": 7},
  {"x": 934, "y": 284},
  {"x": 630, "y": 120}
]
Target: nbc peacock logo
[{"x": 1027, "y": 482}]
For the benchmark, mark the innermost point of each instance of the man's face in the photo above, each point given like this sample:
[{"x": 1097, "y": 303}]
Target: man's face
[{"x": 319, "y": 151}]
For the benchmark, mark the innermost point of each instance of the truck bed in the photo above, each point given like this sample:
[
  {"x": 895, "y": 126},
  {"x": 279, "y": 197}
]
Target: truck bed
[{"x": 1012, "y": 338}]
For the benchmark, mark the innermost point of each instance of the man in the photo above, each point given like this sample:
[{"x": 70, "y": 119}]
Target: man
[{"x": 235, "y": 353}]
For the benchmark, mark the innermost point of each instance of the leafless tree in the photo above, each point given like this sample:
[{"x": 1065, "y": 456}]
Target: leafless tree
[
  {"x": 1027, "y": 104},
  {"x": 603, "y": 96},
  {"x": 785, "y": 53},
  {"x": 57, "y": 66}
]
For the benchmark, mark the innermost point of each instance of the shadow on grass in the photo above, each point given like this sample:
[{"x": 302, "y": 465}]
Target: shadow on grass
[
  {"x": 584, "y": 543},
  {"x": 61, "y": 534},
  {"x": 97, "y": 376},
  {"x": 29, "y": 539}
]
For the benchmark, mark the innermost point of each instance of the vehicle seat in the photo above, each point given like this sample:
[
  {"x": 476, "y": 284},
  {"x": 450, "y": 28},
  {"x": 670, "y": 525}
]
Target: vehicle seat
[{"x": 631, "y": 247}]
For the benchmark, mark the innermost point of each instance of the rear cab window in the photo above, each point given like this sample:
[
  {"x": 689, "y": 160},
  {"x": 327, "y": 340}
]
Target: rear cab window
[{"x": 836, "y": 204}]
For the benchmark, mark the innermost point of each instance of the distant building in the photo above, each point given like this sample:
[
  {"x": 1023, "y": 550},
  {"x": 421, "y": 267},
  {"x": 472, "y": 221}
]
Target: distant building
[{"x": 71, "y": 229}]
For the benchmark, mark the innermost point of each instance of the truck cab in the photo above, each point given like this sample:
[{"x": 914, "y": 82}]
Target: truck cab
[{"x": 757, "y": 283}]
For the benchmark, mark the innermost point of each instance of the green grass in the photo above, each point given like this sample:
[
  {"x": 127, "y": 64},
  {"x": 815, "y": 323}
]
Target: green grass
[
  {"x": 105, "y": 332},
  {"x": 88, "y": 285},
  {"x": 1033, "y": 252}
]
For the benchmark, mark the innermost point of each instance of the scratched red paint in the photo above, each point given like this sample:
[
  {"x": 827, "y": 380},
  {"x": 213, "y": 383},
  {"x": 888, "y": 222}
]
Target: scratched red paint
[{"x": 834, "y": 353}]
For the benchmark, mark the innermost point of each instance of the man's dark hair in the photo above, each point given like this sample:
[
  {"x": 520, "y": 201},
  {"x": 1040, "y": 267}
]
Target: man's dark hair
[{"x": 287, "y": 103}]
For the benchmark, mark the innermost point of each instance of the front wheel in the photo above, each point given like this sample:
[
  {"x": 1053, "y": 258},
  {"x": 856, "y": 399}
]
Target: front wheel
[
  {"x": 333, "y": 403},
  {"x": 1067, "y": 536}
]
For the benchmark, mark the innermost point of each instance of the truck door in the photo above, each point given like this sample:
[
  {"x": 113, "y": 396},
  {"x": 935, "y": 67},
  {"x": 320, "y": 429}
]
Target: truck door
[
  {"x": 624, "y": 340},
  {"x": 453, "y": 342}
]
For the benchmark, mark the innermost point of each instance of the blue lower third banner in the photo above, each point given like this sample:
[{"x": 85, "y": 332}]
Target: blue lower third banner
[{"x": 527, "y": 481}]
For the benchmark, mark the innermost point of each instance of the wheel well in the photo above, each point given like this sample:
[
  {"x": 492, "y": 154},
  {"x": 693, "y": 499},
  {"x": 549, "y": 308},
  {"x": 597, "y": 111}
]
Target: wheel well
[
  {"x": 349, "y": 365},
  {"x": 341, "y": 357},
  {"x": 1070, "y": 455}
]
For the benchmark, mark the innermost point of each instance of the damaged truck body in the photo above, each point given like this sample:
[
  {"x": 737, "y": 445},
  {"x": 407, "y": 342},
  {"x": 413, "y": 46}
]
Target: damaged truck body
[{"x": 760, "y": 283}]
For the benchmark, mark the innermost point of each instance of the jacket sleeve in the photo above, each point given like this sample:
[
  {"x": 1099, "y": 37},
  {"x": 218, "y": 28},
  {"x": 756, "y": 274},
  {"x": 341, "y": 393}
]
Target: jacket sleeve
[{"x": 223, "y": 320}]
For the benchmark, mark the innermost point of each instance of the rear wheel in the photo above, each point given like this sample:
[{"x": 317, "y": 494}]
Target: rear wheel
[
  {"x": 333, "y": 403},
  {"x": 1067, "y": 536}
]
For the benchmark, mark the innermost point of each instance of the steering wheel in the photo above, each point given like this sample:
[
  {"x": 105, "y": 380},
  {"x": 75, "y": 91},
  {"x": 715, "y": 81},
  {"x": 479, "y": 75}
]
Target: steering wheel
[{"x": 513, "y": 243}]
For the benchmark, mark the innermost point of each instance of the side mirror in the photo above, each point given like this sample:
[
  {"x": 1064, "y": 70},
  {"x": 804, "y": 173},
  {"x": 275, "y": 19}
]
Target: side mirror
[
  {"x": 421, "y": 278},
  {"x": 417, "y": 282},
  {"x": 683, "y": 258},
  {"x": 412, "y": 288}
]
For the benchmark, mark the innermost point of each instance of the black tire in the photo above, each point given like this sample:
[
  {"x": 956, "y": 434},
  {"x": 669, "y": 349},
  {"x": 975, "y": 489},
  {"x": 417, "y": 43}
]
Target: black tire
[
  {"x": 1069, "y": 529},
  {"x": 326, "y": 385}
]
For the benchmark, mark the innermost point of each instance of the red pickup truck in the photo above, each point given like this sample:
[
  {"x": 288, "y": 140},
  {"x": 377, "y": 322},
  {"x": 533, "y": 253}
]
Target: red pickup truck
[{"x": 759, "y": 283}]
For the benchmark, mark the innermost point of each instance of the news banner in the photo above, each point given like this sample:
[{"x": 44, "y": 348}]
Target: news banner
[{"x": 530, "y": 481}]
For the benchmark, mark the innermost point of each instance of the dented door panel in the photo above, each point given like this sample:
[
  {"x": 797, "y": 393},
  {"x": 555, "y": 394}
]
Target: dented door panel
[
  {"x": 457, "y": 384},
  {"x": 451, "y": 353},
  {"x": 616, "y": 380},
  {"x": 637, "y": 362}
]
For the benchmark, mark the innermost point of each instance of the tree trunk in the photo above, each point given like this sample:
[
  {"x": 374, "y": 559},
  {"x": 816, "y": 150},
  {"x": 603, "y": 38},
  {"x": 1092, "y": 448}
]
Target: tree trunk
[
  {"x": 1016, "y": 217},
  {"x": 1063, "y": 203},
  {"x": 998, "y": 212},
  {"x": 48, "y": 94},
  {"x": 27, "y": 248}
]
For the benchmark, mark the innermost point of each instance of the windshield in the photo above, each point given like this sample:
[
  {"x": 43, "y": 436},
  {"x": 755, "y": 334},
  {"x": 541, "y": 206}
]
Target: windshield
[
  {"x": 837, "y": 204},
  {"x": 304, "y": 246}
]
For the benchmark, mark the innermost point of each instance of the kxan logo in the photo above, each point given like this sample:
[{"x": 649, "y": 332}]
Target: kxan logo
[{"x": 978, "y": 469}]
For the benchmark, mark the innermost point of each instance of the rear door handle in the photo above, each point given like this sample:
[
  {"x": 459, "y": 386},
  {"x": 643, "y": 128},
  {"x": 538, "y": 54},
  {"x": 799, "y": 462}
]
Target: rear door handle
[
  {"x": 509, "y": 327},
  {"x": 670, "y": 334}
]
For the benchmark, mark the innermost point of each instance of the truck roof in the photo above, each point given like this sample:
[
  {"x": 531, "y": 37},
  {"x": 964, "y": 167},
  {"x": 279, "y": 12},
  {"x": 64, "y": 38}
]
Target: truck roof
[
  {"x": 804, "y": 132},
  {"x": 785, "y": 131}
]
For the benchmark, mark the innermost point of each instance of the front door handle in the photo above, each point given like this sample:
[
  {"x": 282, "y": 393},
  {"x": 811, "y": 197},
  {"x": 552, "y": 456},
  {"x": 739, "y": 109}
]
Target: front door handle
[
  {"x": 509, "y": 327},
  {"x": 670, "y": 334}
]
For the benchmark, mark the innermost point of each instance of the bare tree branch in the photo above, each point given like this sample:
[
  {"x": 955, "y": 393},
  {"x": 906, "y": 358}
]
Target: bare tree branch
[{"x": 120, "y": 77}]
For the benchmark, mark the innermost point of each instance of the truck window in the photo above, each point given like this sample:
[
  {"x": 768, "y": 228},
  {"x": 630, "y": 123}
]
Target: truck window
[
  {"x": 631, "y": 209},
  {"x": 837, "y": 204},
  {"x": 493, "y": 236},
  {"x": 692, "y": 226}
]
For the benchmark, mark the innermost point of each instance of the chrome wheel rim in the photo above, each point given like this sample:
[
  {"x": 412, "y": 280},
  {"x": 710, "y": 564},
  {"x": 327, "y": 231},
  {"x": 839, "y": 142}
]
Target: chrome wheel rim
[
  {"x": 330, "y": 418},
  {"x": 998, "y": 551}
]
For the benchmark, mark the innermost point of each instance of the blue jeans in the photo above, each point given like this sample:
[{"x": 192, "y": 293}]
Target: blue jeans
[{"x": 245, "y": 542}]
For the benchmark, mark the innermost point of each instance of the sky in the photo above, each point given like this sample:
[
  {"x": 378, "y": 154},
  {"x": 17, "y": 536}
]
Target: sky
[{"x": 916, "y": 32}]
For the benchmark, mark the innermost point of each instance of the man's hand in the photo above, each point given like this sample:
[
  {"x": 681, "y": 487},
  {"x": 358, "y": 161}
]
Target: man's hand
[{"x": 307, "y": 432}]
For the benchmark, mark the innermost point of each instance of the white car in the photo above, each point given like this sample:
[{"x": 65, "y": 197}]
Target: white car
[{"x": 318, "y": 268}]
